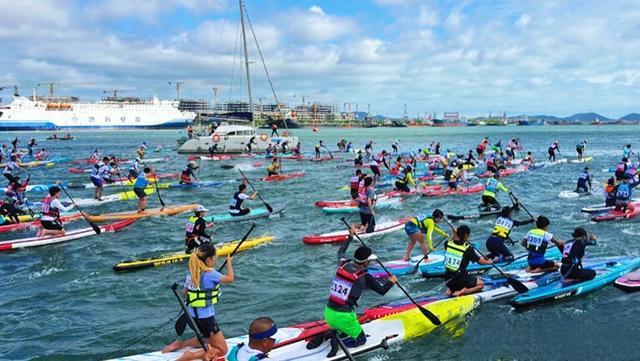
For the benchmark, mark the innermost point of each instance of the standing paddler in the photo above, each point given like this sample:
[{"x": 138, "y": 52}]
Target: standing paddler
[{"x": 196, "y": 229}]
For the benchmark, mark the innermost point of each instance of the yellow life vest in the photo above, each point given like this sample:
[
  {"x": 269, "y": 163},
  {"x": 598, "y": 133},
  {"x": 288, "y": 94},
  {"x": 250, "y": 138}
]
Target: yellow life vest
[
  {"x": 453, "y": 256},
  {"x": 203, "y": 298}
]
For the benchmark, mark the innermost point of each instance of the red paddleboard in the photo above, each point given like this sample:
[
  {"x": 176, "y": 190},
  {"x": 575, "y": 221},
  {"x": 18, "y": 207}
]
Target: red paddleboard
[
  {"x": 283, "y": 176},
  {"x": 446, "y": 191},
  {"x": 341, "y": 236}
]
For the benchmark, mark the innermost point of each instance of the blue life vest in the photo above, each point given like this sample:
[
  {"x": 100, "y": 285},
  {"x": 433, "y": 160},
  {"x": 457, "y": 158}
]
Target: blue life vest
[
  {"x": 233, "y": 354},
  {"x": 624, "y": 192}
]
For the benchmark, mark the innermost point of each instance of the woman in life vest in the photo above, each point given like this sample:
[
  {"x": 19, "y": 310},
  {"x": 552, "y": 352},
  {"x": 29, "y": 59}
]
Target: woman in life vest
[
  {"x": 235, "y": 203},
  {"x": 202, "y": 288},
  {"x": 188, "y": 173},
  {"x": 420, "y": 226},
  {"x": 196, "y": 229},
  {"x": 51, "y": 209}
]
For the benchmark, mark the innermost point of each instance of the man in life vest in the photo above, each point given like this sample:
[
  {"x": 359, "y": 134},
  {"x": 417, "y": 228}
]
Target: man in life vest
[
  {"x": 51, "y": 209},
  {"x": 188, "y": 173},
  {"x": 536, "y": 242},
  {"x": 498, "y": 250},
  {"x": 492, "y": 187},
  {"x": 235, "y": 204},
  {"x": 261, "y": 340},
  {"x": 354, "y": 183},
  {"x": 273, "y": 168},
  {"x": 584, "y": 182},
  {"x": 624, "y": 193},
  {"x": 196, "y": 229},
  {"x": 403, "y": 183},
  {"x": 142, "y": 150},
  {"x": 350, "y": 281},
  {"x": 99, "y": 173},
  {"x": 366, "y": 203},
  {"x": 420, "y": 226},
  {"x": 457, "y": 257},
  {"x": 621, "y": 169},
  {"x": 572, "y": 254}
]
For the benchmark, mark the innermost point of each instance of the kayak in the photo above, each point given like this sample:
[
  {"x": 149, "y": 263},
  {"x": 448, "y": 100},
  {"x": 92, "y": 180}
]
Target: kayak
[
  {"x": 574, "y": 194},
  {"x": 520, "y": 261},
  {"x": 446, "y": 191},
  {"x": 255, "y": 213},
  {"x": 583, "y": 160},
  {"x": 195, "y": 185},
  {"x": 384, "y": 325},
  {"x": 10, "y": 227},
  {"x": 222, "y": 250},
  {"x": 154, "y": 212},
  {"x": 629, "y": 282},
  {"x": 607, "y": 271},
  {"x": 69, "y": 236},
  {"x": 400, "y": 267},
  {"x": 505, "y": 172},
  {"x": 385, "y": 202},
  {"x": 341, "y": 236},
  {"x": 613, "y": 215},
  {"x": 282, "y": 176}
]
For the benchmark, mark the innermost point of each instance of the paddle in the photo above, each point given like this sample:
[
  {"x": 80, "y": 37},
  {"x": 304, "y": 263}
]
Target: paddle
[
  {"x": 330, "y": 154},
  {"x": 122, "y": 184},
  {"x": 155, "y": 182},
  {"x": 521, "y": 205},
  {"x": 24, "y": 195},
  {"x": 269, "y": 208},
  {"x": 343, "y": 347},
  {"x": 517, "y": 285},
  {"x": 428, "y": 314},
  {"x": 181, "y": 322},
  {"x": 189, "y": 319},
  {"x": 93, "y": 225},
  {"x": 417, "y": 266}
]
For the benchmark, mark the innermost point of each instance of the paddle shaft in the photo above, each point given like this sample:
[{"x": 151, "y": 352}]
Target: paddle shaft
[
  {"x": 93, "y": 225},
  {"x": 253, "y": 225},
  {"x": 433, "y": 318},
  {"x": 269, "y": 208},
  {"x": 155, "y": 182},
  {"x": 190, "y": 320},
  {"x": 344, "y": 347},
  {"x": 24, "y": 195},
  {"x": 521, "y": 205},
  {"x": 417, "y": 266}
]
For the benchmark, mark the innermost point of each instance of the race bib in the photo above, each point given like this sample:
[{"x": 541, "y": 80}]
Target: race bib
[
  {"x": 340, "y": 289},
  {"x": 452, "y": 261},
  {"x": 189, "y": 227},
  {"x": 535, "y": 241}
]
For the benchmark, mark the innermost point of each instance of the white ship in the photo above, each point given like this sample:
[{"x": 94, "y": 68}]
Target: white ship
[{"x": 34, "y": 114}]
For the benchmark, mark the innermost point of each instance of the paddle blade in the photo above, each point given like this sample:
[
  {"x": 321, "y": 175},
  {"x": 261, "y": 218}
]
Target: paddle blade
[
  {"x": 428, "y": 314},
  {"x": 269, "y": 208},
  {"x": 95, "y": 228},
  {"x": 181, "y": 324},
  {"x": 517, "y": 285}
]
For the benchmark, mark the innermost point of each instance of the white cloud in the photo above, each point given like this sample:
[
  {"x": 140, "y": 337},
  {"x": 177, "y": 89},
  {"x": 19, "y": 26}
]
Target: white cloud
[
  {"x": 523, "y": 21},
  {"x": 314, "y": 25},
  {"x": 148, "y": 10},
  {"x": 427, "y": 16}
]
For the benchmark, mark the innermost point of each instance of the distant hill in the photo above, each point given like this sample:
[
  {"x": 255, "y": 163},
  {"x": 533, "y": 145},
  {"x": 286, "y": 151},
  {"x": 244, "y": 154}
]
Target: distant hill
[
  {"x": 544, "y": 118},
  {"x": 631, "y": 116},
  {"x": 586, "y": 117}
]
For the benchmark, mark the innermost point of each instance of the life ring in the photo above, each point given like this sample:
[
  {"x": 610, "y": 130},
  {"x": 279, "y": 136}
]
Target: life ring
[
  {"x": 215, "y": 138},
  {"x": 263, "y": 137}
]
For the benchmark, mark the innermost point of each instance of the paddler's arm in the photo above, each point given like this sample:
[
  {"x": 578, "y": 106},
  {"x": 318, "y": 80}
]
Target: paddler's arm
[
  {"x": 57, "y": 204},
  {"x": 343, "y": 248},
  {"x": 431, "y": 227},
  {"x": 229, "y": 277},
  {"x": 379, "y": 288},
  {"x": 502, "y": 187}
]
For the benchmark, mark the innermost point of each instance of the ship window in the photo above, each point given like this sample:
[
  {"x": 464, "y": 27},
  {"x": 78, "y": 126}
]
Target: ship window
[
  {"x": 107, "y": 119},
  {"x": 0, "y": 114},
  {"x": 231, "y": 133},
  {"x": 123, "y": 119},
  {"x": 92, "y": 119},
  {"x": 137, "y": 119}
]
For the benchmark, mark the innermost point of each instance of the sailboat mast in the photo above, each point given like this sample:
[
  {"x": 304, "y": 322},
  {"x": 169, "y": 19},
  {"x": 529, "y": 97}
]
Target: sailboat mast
[{"x": 246, "y": 63}]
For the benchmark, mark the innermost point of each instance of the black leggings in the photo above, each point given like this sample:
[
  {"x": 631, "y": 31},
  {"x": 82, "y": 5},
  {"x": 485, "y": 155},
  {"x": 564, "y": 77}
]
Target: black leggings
[{"x": 578, "y": 273}]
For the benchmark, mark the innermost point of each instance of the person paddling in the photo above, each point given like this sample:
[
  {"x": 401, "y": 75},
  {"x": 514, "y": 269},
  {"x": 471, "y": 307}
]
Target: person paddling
[
  {"x": 498, "y": 251},
  {"x": 584, "y": 182},
  {"x": 202, "y": 288},
  {"x": 138, "y": 188},
  {"x": 10, "y": 167},
  {"x": 350, "y": 281},
  {"x": 141, "y": 150},
  {"x": 572, "y": 254},
  {"x": 529, "y": 161},
  {"x": 492, "y": 187},
  {"x": 366, "y": 202},
  {"x": 536, "y": 242},
  {"x": 99, "y": 173},
  {"x": 188, "y": 173},
  {"x": 235, "y": 204},
  {"x": 273, "y": 168},
  {"x": 624, "y": 193},
  {"x": 354, "y": 183},
  {"x": 610, "y": 192},
  {"x": 419, "y": 226},
  {"x": 402, "y": 183},
  {"x": 51, "y": 209},
  {"x": 457, "y": 257},
  {"x": 134, "y": 169},
  {"x": 555, "y": 147},
  {"x": 196, "y": 229},
  {"x": 580, "y": 149},
  {"x": 261, "y": 340}
]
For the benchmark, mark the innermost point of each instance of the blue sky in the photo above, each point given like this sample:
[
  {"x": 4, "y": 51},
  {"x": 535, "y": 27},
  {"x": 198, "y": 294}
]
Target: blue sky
[{"x": 475, "y": 57}]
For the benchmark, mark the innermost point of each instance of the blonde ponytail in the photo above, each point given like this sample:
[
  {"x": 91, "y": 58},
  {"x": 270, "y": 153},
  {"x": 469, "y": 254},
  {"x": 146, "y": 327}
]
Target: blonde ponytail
[{"x": 196, "y": 262}]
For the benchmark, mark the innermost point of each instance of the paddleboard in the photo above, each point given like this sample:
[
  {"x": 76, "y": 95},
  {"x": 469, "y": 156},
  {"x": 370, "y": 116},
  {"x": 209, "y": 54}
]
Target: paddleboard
[{"x": 255, "y": 213}]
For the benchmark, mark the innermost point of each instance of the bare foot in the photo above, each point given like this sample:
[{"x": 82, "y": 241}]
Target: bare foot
[{"x": 175, "y": 345}]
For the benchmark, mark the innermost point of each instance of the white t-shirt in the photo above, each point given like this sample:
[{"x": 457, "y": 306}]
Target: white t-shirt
[
  {"x": 245, "y": 353},
  {"x": 55, "y": 204}
]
